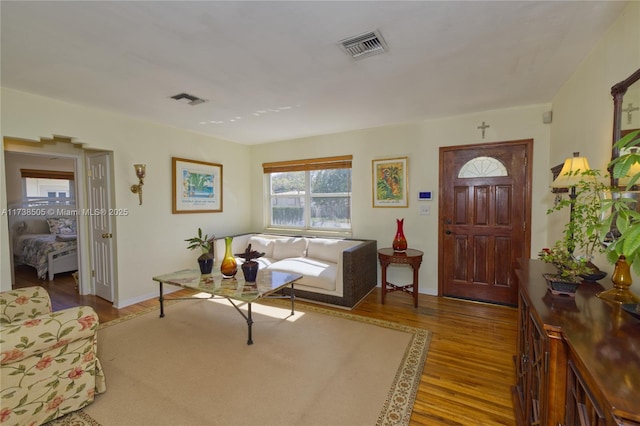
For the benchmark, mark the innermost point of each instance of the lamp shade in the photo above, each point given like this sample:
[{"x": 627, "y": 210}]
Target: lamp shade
[
  {"x": 570, "y": 175},
  {"x": 140, "y": 170}
]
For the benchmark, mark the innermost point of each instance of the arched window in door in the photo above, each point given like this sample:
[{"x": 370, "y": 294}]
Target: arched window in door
[{"x": 483, "y": 167}]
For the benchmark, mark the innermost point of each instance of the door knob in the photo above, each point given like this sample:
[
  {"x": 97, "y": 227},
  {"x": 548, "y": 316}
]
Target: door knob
[
  {"x": 107, "y": 235},
  {"x": 447, "y": 232}
]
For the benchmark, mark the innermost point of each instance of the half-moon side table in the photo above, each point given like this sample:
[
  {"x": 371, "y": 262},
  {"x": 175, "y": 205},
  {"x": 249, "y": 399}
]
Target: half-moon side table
[{"x": 409, "y": 257}]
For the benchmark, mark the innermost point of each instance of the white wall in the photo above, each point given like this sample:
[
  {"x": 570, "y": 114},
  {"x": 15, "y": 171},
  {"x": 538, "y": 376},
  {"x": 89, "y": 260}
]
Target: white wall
[
  {"x": 583, "y": 108},
  {"x": 150, "y": 239},
  {"x": 420, "y": 142}
]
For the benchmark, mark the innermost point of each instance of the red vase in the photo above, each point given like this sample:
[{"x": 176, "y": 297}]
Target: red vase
[{"x": 400, "y": 242}]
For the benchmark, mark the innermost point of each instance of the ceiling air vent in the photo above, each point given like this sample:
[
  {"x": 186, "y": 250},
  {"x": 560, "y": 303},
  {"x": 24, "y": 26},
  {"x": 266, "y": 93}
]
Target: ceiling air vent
[
  {"x": 364, "y": 45},
  {"x": 188, "y": 99}
]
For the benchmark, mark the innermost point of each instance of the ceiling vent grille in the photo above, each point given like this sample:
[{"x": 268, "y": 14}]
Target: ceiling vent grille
[
  {"x": 188, "y": 99},
  {"x": 364, "y": 45}
]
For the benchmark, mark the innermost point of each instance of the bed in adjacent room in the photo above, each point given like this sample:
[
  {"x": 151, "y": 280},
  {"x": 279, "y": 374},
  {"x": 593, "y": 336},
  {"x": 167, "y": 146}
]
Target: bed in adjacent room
[{"x": 49, "y": 245}]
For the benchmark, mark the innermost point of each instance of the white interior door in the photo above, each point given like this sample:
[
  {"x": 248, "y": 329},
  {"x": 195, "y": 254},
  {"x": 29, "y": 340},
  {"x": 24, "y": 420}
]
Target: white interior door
[{"x": 100, "y": 224}]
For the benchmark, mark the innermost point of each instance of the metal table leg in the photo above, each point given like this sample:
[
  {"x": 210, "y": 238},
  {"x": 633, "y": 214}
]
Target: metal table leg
[
  {"x": 161, "y": 301},
  {"x": 249, "y": 324}
]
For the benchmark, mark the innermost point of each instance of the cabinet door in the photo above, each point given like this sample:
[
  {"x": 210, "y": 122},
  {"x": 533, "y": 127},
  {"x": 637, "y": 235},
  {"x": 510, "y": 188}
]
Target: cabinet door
[
  {"x": 582, "y": 408},
  {"x": 536, "y": 399},
  {"x": 522, "y": 360}
]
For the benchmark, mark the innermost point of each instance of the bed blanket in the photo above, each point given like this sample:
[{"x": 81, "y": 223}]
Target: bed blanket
[{"x": 33, "y": 249}]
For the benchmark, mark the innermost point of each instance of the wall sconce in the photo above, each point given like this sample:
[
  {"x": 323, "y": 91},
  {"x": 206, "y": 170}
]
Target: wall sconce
[{"x": 141, "y": 173}]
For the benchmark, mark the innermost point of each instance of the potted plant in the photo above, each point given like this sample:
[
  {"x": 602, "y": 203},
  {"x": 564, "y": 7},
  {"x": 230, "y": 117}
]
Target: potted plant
[
  {"x": 250, "y": 266},
  {"x": 621, "y": 226},
  {"x": 206, "y": 244},
  {"x": 569, "y": 269},
  {"x": 573, "y": 254}
]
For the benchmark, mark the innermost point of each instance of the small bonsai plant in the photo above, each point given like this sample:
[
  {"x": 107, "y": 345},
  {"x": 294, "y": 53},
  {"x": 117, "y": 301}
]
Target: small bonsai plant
[
  {"x": 205, "y": 243},
  {"x": 569, "y": 267}
]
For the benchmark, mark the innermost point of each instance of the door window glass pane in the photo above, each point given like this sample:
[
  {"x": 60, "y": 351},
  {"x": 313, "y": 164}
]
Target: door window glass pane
[{"x": 483, "y": 167}]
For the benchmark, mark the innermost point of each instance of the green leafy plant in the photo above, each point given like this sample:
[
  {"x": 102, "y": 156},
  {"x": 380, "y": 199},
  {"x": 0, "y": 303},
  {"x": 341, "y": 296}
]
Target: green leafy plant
[
  {"x": 582, "y": 232},
  {"x": 202, "y": 242},
  {"x": 621, "y": 227}
]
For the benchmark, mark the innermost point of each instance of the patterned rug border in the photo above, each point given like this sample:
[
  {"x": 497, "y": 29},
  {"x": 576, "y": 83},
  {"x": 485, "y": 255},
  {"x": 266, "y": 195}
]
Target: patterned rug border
[{"x": 398, "y": 405}]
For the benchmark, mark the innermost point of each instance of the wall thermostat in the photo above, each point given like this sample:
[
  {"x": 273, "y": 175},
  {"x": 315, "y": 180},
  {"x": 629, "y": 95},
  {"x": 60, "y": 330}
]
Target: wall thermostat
[{"x": 424, "y": 195}]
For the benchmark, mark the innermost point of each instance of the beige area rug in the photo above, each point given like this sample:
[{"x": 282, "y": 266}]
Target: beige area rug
[{"x": 194, "y": 367}]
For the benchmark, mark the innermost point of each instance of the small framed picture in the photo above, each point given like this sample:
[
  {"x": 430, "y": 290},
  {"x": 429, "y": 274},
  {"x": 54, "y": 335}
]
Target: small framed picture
[
  {"x": 197, "y": 186},
  {"x": 390, "y": 186}
]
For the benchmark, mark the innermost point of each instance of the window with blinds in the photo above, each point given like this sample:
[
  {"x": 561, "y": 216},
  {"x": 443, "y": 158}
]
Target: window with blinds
[
  {"x": 47, "y": 186},
  {"x": 310, "y": 194}
]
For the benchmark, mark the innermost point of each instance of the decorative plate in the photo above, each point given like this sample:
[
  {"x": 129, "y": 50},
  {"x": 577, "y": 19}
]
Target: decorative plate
[{"x": 632, "y": 308}]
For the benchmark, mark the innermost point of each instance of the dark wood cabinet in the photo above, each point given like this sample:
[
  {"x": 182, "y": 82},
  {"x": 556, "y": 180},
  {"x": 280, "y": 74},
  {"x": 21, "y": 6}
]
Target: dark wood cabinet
[
  {"x": 578, "y": 360},
  {"x": 582, "y": 407}
]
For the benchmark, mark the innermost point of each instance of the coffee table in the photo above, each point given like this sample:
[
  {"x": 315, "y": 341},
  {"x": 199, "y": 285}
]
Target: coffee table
[{"x": 233, "y": 289}]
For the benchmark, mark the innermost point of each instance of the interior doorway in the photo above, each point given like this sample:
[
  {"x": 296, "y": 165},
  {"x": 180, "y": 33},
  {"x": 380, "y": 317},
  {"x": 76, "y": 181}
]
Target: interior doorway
[
  {"x": 86, "y": 260},
  {"x": 484, "y": 219},
  {"x": 42, "y": 224}
]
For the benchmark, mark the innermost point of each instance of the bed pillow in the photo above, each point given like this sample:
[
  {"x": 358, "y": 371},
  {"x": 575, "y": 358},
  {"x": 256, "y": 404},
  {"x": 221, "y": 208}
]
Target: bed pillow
[
  {"x": 35, "y": 226},
  {"x": 61, "y": 225}
]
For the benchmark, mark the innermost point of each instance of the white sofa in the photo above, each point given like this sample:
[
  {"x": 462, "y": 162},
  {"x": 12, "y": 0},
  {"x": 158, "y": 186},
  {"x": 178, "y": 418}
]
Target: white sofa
[{"x": 334, "y": 271}]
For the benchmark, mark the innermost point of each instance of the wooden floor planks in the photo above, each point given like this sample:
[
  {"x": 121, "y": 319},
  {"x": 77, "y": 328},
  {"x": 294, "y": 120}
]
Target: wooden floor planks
[{"x": 469, "y": 368}]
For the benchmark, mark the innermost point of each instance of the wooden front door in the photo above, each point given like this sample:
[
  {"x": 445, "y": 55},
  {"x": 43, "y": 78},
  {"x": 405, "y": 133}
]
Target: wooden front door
[{"x": 484, "y": 214}]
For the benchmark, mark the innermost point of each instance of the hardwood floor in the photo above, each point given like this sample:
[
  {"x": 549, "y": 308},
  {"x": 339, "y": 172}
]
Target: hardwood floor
[{"x": 469, "y": 368}]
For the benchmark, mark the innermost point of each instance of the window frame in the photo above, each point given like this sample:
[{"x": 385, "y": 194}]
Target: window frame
[
  {"x": 307, "y": 166},
  {"x": 48, "y": 174}
]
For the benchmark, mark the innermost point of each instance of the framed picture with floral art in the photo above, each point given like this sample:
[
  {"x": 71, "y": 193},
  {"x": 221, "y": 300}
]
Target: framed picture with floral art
[
  {"x": 390, "y": 185},
  {"x": 197, "y": 186}
]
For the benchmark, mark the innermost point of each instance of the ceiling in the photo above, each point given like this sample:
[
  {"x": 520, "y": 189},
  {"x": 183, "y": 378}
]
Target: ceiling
[{"x": 274, "y": 70}]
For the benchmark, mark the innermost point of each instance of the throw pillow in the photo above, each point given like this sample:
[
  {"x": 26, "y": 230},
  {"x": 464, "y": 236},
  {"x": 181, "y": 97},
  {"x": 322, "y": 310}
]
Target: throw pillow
[
  {"x": 325, "y": 249},
  {"x": 36, "y": 226},
  {"x": 61, "y": 225},
  {"x": 289, "y": 247}
]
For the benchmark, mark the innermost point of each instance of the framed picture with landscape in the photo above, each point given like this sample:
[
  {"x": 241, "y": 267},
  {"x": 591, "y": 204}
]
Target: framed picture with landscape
[
  {"x": 390, "y": 186},
  {"x": 197, "y": 186}
]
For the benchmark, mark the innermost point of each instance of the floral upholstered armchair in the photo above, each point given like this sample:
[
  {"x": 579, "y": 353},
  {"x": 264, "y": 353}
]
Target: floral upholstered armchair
[{"x": 49, "y": 365}]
